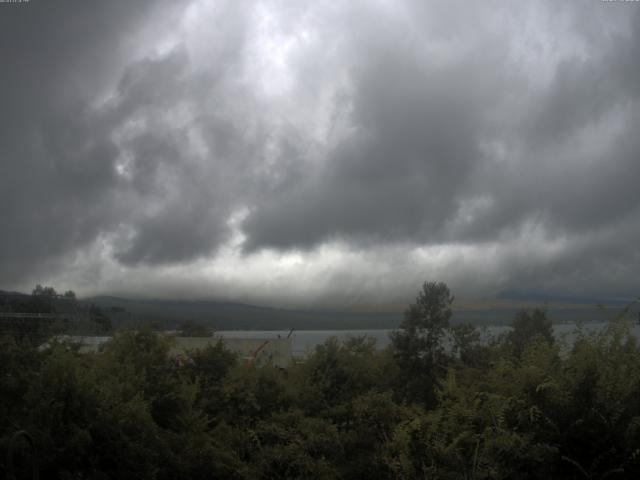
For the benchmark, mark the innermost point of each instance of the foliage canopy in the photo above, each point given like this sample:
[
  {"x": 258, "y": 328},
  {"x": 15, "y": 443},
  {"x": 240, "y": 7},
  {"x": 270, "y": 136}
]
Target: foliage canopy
[{"x": 519, "y": 406}]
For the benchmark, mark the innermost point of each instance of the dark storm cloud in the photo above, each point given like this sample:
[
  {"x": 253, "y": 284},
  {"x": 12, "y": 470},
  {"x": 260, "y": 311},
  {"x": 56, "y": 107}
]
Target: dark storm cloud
[
  {"x": 174, "y": 215},
  {"x": 286, "y": 127},
  {"x": 577, "y": 148},
  {"x": 56, "y": 183},
  {"x": 401, "y": 175},
  {"x": 417, "y": 155},
  {"x": 73, "y": 171}
]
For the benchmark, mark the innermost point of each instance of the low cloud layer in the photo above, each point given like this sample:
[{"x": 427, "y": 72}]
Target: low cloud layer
[{"x": 320, "y": 152}]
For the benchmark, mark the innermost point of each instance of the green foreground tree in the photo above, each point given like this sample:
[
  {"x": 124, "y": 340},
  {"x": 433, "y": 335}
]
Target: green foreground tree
[{"x": 418, "y": 344}]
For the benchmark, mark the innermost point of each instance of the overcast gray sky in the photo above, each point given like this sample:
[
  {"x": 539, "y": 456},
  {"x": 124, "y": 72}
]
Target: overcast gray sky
[{"x": 320, "y": 152}]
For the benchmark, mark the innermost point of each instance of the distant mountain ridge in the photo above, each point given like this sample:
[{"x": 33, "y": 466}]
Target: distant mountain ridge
[
  {"x": 558, "y": 298},
  {"x": 223, "y": 315},
  {"x": 227, "y": 315}
]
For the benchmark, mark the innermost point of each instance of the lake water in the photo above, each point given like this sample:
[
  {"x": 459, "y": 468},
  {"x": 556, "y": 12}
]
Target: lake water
[{"x": 304, "y": 341}]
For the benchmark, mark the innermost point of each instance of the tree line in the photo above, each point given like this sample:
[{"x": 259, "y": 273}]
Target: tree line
[{"x": 440, "y": 402}]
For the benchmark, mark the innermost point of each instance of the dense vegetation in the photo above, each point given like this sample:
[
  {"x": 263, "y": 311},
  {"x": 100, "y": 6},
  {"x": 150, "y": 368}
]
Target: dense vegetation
[{"x": 438, "y": 403}]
